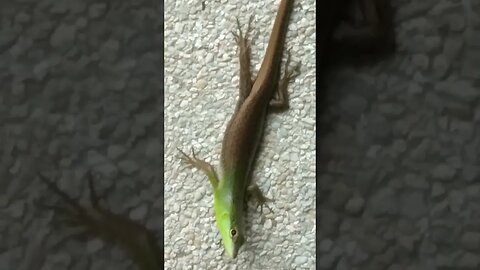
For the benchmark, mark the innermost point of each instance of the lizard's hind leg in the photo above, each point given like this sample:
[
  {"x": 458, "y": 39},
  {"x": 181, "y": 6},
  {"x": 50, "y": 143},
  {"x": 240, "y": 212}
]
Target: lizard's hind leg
[{"x": 244, "y": 57}]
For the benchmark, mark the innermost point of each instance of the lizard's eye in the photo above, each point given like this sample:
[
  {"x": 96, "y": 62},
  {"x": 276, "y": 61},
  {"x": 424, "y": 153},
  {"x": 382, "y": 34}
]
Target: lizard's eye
[{"x": 233, "y": 233}]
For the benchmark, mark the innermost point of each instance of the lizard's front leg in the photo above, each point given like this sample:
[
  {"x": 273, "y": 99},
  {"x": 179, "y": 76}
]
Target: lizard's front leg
[{"x": 202, "y": 165}]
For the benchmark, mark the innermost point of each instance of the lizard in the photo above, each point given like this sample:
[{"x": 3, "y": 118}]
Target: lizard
[
  {"x": 244, "y": 131},
  {"x": 249, "y": 119},
  {"x": 245, "y": 128},
  {"x": 237, "y": 158}
]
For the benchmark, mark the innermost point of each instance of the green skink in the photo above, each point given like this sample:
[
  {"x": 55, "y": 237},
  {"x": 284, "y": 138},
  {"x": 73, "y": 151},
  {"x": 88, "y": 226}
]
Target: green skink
[{"x": 245, "y": 129}]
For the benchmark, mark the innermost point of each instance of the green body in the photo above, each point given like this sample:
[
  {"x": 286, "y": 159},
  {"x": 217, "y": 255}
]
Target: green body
[{"x": 228, "y": 205}]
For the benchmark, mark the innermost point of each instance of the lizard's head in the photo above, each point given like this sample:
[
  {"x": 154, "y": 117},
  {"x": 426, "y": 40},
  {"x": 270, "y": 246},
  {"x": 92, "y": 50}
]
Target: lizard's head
[{"x": 228, "y": 222}]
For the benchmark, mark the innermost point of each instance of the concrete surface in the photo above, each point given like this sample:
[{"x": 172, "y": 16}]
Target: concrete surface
[
  {"x": 81, "y": 90},
  {"x": 201, "y": 89},
  {"x": 398, "y": 149}
]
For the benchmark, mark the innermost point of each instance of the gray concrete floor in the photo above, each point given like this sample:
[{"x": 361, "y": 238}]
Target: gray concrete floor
[
  {"x": 398, "y": 173},
  {"x": 201, "y": 90},
  {"x": 399, "y": 149},
  {"x": 81, "y": 84}
]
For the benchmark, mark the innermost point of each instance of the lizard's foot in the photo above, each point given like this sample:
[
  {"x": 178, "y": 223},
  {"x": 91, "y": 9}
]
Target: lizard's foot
[
  {"x": 290, "y": 72},
  {"x": 199, "y": 164},
  {"x": 192, "y": 161},
  {"x": 281, "y": 101},
  {"x": 254, "y": 191},
  {"x": 240, "y": 38}
]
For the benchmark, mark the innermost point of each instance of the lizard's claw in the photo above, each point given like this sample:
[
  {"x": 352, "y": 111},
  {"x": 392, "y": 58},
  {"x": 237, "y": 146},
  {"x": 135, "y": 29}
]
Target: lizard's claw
[
  {"x": 239, "y": 36},
  {"x": 189, "y": 160},
  {"x": 199, "y": 164},
  {"x": 264, "y": 202},
  {"x": 291, "y": 73},
  {"x": 261, "y": 199}
]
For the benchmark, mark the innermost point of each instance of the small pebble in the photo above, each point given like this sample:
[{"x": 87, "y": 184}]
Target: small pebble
[
  {"x": 325, "y": 245},
  {"x": 97, "y": 10},
  {"x": 115, "y": 151},
  {"x": 128, "y": 166},
  {"x": 63, "y": 35},
  {"x": 107, "y": 169},
  {"x": 268, "y": 224},
  {"x": 94, "y": 245},
  {"x": 443, "y": 172},
  {"x": 139, "y": 213},
  {"x": 437, "y": 190},
  {"x": 17, "y": 208},
  {"x": 299, "y": 260},
  {"x": 355, "y": 205}
]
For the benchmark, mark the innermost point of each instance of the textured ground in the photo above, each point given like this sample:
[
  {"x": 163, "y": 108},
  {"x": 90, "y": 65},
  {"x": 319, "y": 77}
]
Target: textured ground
[
  {"x": 399, "y": 143},
  {"x": 81, "y": 84},
  {"x": 201, "y": 88},
  {"x": 398, "y": 169}
]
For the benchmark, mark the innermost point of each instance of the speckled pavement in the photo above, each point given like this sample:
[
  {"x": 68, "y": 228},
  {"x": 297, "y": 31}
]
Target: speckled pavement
[
  {"x": 201, "y": 89},
  {"x": 399, "y": 142},
  {"x": 81, "y": 90},
  {"x": 397, "y": 173}
]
